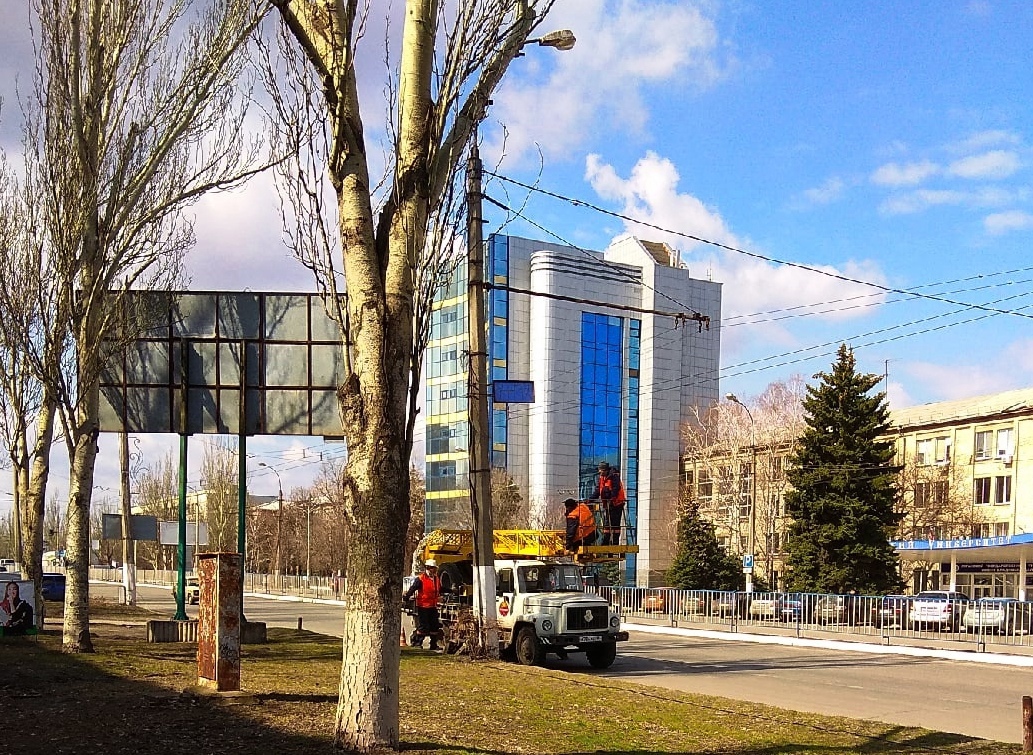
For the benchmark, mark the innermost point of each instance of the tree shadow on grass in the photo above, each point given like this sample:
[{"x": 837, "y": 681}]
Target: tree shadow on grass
[{"x": 59, "y": 703}]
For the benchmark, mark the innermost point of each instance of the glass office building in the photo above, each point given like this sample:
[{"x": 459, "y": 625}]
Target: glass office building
[{"x": 615, "y": 377}]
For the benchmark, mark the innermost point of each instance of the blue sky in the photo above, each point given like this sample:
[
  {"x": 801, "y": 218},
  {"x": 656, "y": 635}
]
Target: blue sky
[{"x": 880, "y": 142}]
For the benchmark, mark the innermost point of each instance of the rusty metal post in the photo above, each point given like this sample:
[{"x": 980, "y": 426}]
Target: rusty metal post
[
  {"x": 218, "y": 627},
  {"x": 1027, "y": 723}
]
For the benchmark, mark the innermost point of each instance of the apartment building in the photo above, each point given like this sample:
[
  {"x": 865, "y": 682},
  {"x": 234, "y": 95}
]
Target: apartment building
[{"x": 966, "y": 496}]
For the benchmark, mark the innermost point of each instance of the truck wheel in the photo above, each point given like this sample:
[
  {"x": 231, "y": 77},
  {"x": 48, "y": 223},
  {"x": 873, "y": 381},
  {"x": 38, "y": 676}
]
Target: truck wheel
[
  {"x": 528, "y": 650},
  {"x": 602, "y": 656}
]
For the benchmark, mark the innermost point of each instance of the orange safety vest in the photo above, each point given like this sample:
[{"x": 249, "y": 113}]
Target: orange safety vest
[
  {"x": 611, "y": 490},
  {"x": 427, "y": 596},
  {"x": 585, "y": 521}
]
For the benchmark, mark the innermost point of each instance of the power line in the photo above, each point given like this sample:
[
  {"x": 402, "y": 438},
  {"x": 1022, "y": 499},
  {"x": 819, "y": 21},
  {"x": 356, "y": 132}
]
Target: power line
[{"x": 736, "y": 250}]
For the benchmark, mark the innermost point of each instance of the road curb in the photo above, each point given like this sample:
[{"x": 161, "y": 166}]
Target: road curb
[{"x": 974, "y": 656}]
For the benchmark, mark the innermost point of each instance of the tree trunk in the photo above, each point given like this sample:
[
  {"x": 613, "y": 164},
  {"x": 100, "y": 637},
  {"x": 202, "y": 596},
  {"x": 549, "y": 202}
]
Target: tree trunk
[
  {"x": 76, "y": 636},
  {"x": 34, "y": 472}
]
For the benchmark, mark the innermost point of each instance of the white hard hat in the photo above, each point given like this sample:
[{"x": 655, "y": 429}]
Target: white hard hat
[{"x": 430, "y": 562}]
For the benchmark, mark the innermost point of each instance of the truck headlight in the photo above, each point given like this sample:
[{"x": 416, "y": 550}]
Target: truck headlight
[
  {"x": 546, "y": 625},
  {"x": 615, "y": 621}
]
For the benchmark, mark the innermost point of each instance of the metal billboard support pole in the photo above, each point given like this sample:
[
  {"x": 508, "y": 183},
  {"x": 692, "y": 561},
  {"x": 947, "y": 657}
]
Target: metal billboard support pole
[{"x": 181, "y": 575}]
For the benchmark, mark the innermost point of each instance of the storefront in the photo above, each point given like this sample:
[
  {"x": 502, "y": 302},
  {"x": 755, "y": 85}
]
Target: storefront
[{"x": 991, "y": 567}]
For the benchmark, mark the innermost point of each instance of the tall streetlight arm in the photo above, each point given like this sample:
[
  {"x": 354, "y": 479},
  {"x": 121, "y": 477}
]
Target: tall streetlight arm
[{"x": 751, "y": 540}]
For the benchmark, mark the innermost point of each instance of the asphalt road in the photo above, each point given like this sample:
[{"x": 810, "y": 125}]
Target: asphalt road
[{"x": 962, "y": 697}]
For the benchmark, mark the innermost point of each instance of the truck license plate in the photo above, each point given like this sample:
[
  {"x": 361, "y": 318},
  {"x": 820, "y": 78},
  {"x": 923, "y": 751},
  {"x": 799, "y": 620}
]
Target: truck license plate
[{"x": 589, "y": 638}]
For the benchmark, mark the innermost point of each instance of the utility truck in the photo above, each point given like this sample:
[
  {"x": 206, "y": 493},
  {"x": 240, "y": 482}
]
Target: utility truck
[{"x": 540, "y": 597}]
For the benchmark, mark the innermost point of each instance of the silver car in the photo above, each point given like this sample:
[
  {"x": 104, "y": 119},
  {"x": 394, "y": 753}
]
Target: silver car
[{"x": 1000, "y": 615}]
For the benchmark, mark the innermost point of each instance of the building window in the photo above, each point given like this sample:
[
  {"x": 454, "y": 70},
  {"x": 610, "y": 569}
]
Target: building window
[
  {"x": 925, "y": 451},
  {"x": 942, "y": 450},
  {"x": 981, "y": 529},
  {"x": 984, "y": 441},
  {"x": 1001, "y": 529},
  {"x": 1002, "y": 489},
  {"x": 982, "y": 491},
  {"x": 1004, "y": 442},
  {"x": 705, "y": 491}
]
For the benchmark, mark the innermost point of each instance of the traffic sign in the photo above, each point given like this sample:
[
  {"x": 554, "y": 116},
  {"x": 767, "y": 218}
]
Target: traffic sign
[{"x": 747, "y": 561}]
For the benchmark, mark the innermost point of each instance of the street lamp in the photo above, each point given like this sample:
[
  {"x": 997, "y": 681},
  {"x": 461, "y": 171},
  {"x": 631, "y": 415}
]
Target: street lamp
[
  {"x": 279, "y": 513},
  {"x": 562, "y": 39},
  {"x": 479, "y": 472},
  {"x": 750, "y": 542}
]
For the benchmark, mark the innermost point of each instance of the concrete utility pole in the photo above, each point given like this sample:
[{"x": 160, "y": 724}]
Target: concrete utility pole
[
  {"x": 477, "y": 407},
  {"x": 477, "y": 383}
]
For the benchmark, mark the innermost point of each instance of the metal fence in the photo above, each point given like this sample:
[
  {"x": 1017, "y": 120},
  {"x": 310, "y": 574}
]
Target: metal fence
[
  {"x": 884, "y": 618},
  {"x": 266, "y": 584},
  {"x": 874, "y": 617}
]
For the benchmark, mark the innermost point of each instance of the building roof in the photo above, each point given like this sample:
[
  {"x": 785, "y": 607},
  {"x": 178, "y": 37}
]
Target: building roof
[
  {"x": 980, "y": 407},
  {"x": 659, "y": 251}
]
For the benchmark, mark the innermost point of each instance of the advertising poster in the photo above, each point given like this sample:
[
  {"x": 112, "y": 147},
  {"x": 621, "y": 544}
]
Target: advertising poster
[{"x": 16, "y": 608}]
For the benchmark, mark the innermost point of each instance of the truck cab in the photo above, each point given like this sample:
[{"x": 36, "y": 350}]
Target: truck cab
[{"x": 542, "y": 608}]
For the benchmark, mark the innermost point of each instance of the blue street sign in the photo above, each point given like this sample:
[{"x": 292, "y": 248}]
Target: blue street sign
[{"x": 747, "y": 561}]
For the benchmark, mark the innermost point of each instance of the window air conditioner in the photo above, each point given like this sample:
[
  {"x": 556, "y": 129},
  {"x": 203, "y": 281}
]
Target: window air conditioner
[{"x": 1006, "y": 458}]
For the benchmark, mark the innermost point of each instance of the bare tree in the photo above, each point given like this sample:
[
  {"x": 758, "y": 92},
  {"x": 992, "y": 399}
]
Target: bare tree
[
  {"x": 27, "y": 355},
  {"x": 135, "y": 116},
  {"x": 447, "y": 71},
  {"x": 219, "y": 481},
  {"x": 155, "y": 495},
  {"x": 735, "y": 463}
]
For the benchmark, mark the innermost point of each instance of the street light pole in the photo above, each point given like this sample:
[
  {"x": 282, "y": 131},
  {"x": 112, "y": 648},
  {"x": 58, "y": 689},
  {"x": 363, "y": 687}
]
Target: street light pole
[
  {"x": 279, "y": 514},
  {"x": 479, "y": 472},
  {"x": 751, "y": 540}
]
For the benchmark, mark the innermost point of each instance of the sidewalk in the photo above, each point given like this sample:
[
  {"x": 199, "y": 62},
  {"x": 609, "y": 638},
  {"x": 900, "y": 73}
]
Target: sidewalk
[{"x": 929, "y": 647}]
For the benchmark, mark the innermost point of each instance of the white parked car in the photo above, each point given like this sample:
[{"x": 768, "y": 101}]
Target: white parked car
[{"x": 941, "y": 609}]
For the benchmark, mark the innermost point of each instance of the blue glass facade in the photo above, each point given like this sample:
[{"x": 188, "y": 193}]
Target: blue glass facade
[
  {"x": 605, "y": 428},
  {"x": 498, "y": 343},
  {"x": 602, "y": 383}
]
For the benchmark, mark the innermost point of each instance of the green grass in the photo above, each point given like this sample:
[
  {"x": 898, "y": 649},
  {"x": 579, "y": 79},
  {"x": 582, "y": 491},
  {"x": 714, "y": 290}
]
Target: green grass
[{"x": 126, "y": 698}]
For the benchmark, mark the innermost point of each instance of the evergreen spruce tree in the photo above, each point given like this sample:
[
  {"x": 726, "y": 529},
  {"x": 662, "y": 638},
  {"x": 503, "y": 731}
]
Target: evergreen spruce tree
[
  {"x": 701, "y": 564},
  {"x": 843, "y": 488}
]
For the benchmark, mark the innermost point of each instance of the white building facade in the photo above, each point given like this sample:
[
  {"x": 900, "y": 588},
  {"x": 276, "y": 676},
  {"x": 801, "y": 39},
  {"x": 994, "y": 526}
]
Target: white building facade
[{"x": 621, "y": 347}]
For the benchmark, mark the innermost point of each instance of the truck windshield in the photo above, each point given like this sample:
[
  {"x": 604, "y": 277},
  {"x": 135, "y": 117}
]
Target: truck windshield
[{"x": 551, "y": 578}]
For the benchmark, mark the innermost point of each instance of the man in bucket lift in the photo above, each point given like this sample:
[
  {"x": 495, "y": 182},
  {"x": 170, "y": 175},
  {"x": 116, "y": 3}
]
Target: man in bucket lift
[{"x": 610, "y": 490}]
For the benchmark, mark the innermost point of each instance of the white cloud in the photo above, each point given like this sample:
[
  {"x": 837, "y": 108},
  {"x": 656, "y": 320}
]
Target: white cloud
[
  {"x": 907, "y": 174},
  {"x": 946, "y": 382},
  {"x": 828, "y": 192},
  {"x": 922, "y": 199},
  {"x": 1010, "y": 369},
  {"x": 984, "y": 140},
  {"x": 999, "y": 223},
  {"x": 995, "y": 164},
  {"x": 240, "y": 243},
  {"x": 650, "y": 193},
  {"x": 559, "y": 100}
]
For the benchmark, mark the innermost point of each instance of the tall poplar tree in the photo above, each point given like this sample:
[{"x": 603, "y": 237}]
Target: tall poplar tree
[{"x": 843, "y": 487}]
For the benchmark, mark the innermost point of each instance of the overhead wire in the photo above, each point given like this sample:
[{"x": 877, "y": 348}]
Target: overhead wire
[{"x": 729, "y": 247}]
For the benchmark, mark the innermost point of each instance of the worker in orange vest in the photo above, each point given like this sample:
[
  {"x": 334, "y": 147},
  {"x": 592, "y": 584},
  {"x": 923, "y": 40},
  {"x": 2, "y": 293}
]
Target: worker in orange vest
[
  {"x": 610, "y": 491},
  {"x": 580, "y": 524},
  {"x": 426, "y": 589}
]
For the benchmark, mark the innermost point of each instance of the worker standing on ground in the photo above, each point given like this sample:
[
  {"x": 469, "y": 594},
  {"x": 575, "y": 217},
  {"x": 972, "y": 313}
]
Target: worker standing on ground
[
  {"x": 580, "y": 524},
  {"x": 426, "y": 589},
  {"x": 610, "y": 491}
]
